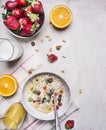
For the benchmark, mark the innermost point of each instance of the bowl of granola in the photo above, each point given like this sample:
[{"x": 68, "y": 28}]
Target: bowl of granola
[
  {"x": 23, "y": 18},
  {"x": 38, "y": 95}
]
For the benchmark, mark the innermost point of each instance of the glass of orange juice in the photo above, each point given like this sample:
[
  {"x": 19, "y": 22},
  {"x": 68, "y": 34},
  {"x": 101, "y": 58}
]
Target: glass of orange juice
[{"x": 13, "y": 117}]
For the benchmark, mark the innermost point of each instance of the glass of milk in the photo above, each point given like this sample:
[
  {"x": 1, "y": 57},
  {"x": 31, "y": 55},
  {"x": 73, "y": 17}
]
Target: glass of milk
[{"x": 10, "y": 50}]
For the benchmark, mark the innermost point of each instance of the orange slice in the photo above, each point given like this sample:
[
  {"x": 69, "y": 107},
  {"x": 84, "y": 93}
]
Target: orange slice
[
  {"x": 8, "y": 85},
  {"x": 61, "y": 16}
]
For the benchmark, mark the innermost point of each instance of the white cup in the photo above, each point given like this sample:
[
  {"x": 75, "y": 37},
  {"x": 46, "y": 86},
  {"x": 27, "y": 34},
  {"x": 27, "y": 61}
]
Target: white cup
[{"x": 10, "y": 50}]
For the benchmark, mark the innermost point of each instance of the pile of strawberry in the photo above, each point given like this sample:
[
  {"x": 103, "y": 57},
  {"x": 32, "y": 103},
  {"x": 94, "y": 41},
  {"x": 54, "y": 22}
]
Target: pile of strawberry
[{"x": 23, "y": 17}]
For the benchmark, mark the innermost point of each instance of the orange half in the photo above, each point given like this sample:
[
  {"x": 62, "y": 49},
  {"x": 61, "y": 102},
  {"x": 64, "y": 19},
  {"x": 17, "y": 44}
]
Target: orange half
[
  {"x": 8, "y": 85},
  {"x": 61, "y": 16}
]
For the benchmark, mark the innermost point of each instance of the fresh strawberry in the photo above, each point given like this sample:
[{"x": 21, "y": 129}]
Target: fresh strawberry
[
  {"x": 28, "y": 10},
  {"x": 10, "y": 5},
  {"x": 29, "y": 29},
  {"x": 37, "y": 7},
  {"x": 52, "y": 58},
  {"x": 69, "y": 124},
  {"x": 17, "y": 13},
  {"x": 24, "y": 21},
  {"x": 22, "y": 3},
  {"x": 12, "y": 23}
]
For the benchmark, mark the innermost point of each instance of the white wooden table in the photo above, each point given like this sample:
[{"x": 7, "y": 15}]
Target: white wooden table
[{"x": 85, "y": 62}]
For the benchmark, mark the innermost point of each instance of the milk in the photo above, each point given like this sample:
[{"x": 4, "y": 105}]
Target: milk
[{"x": 10, "y": 50}]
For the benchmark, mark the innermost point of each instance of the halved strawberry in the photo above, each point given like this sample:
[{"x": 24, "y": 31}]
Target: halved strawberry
[
  {"x": 29, "y": 29},
  {"x": 12, "y": 23},
  {"x": 22, "y": 3},
  {"x": 17, "y": 13},
  {"x": 10, "y": 5},
  {"x": 37, "y": 7}
]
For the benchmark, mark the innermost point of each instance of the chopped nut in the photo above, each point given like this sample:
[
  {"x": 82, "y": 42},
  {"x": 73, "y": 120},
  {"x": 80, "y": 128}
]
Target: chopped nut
[
  {"x": 36, "y": 50},
  {"x": 58, "y": 47},
  {"x": 50, "y": 49},
  {"x": 30, "y": 71},
  {"x": 80, "y": 90},
  {"x": 41, "y": 40},
  {"x": 63, "y": 40},
  {"x": 63, "y": 56},
  {"x": 62, "y": 71},
  {"x": 33, "y": 43},
  {"x": 47, "y": 36},
  {"x": 50, "y": 39}
]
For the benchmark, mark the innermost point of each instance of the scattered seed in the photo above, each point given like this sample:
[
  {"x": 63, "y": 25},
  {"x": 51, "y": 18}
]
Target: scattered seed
[
  {"x": 63, "y": 40},
  {"x": 58, "y": 47},
  {"x": 41, "y": 40},
  {"x": 62, "y": 71},
  {"x": 47, "y": 36},
  {"x": 63, "y": 56},
  {"x": 36, "y": 50},
  {"x": 33, "y": 43},
  {"x": 80, "y": 90},
  {"x": 50, "y": 39},
  {"x": 50, "y": 49},
  {"x": 30, "y": 71}
]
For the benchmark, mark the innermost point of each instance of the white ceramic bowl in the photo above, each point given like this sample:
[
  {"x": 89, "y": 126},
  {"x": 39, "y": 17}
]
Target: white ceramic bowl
[
  {"x": 41, "y": 16},
  {"x": 40, "y": 115}
]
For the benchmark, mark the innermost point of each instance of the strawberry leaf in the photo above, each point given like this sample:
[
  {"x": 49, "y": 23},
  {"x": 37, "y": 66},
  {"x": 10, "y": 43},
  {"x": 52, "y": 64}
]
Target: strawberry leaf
[
  {"x": 29, "y": 1},
  {"x": 34, "y": 2},
  {"x": 33, "y": 16},
  {"x": 4, "y": 16},
  {"x": 35, "y": 27},
  {"x": 67, "y": 127}
]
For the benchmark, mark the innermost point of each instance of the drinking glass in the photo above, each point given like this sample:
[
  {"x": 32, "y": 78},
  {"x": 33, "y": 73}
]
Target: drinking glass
[
  {"x": 13, "y": 118},
  {"x": 10, "y": 50}
]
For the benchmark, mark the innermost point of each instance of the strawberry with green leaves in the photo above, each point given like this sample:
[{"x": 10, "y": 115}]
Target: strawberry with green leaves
[
  {"x": 12, "y": 23},
  {"x": 37, "y": 6},
  {"x": 24, "y": 21},
  {"x": 28, "y": 10},
  {"x": 52, "y": 58},
  {"x": 69, "y": 124},
  {"x": 29, "y": 29}
]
